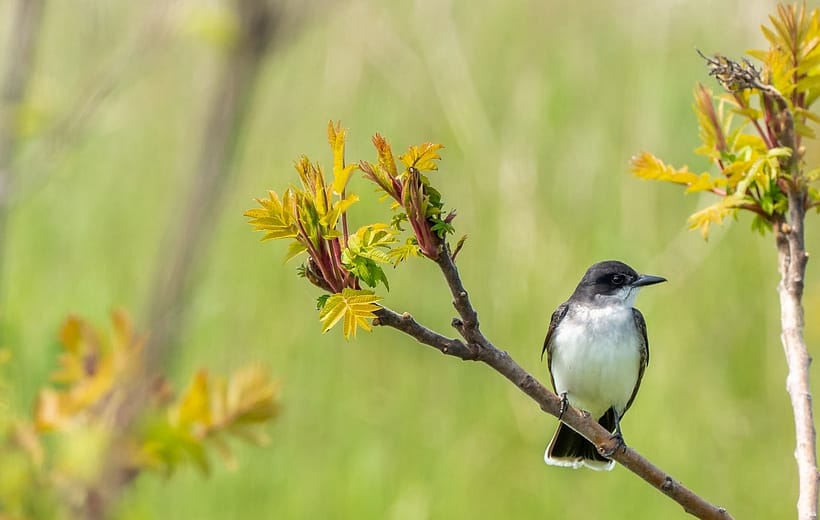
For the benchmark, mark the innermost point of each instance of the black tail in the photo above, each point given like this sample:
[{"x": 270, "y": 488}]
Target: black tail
[{"x": 569, "y": 448}]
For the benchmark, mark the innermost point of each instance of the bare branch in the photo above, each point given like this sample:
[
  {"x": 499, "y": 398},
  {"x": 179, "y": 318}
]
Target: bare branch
[
  {"x": 408, "y": 325},
  {"x": 792, "y": 260},
  {"x": 479, "y": 348}
]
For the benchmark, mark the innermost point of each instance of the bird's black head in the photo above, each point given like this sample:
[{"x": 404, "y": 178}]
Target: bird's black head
[{"x": 612, "y": 281}]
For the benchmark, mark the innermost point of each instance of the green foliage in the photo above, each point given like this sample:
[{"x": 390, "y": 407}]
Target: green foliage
[
  {"x": 314, "y": 218},
  {"x": 58, "y": 452},
  {"x": 366, "y": 248},
  {"x": 753, "y": 133}
]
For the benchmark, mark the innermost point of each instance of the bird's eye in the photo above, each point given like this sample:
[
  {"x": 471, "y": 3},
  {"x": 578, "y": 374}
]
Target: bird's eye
[{"x": 618, "y": 279}]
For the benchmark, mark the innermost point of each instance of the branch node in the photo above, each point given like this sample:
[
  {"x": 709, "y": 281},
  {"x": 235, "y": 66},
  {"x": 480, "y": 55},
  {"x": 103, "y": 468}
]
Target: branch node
[
  {"x": 669, "y": 484},
  {"x": 457, "y": 324},
  {"x": 612, "y": 445},
  {"x": 406, "y": 316}
]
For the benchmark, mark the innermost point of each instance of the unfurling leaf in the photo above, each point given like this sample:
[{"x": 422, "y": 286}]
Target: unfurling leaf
[
  {"x": 401, "y": 253},
  {"x": 710, "y": 123},
  {"x": 355, "y": 307},
  {"x": 422, "y": 157},
  {"x": 791, "y": 62},
  {"x": 341, "y": 172},
  {"x": 385, "y": 153}
]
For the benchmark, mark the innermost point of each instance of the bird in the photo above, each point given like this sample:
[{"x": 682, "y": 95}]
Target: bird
[{"x": 597, "y": 352}]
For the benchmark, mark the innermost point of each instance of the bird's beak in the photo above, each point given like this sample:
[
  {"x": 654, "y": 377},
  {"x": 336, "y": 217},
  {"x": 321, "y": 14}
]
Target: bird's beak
[{"x": 647, "y": 279}]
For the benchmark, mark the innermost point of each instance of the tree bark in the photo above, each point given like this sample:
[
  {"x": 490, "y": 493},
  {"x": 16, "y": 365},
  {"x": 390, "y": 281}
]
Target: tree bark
[{"x": 792, "y": 260}]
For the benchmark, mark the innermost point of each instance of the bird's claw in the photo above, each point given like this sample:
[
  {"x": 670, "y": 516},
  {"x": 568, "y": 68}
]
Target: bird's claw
[
  {"x": 615, "y": 443},
  {"x": 564, "y": 405}
]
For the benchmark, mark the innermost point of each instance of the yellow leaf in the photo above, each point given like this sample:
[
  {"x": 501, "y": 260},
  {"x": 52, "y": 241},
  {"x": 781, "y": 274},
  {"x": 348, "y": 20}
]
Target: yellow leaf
[
  {"x": 385, "y": 153},
  {"x": 294, "y": 249},
  {"x": 250, "y": 396},
  {"x": 422, "y": 157},
  {"x": 355, "y": 306},
  {"x": 276, "y": 216},
  {"x": 336, "y": 211},
  {"x": 705, "y": 182},
  {"x": 714, "y": 214},
  {"x": 71, "y": 333},
  {"x": 647, "y": 166},
  {"x": 341, "y": 172},
  {"x": 195, "y": 404}
]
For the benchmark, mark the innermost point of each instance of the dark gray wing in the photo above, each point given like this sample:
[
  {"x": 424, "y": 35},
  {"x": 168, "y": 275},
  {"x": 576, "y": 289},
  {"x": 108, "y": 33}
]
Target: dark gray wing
[
  {"x": 557, "y": 316},
  {"x": 640, "y": 324}
]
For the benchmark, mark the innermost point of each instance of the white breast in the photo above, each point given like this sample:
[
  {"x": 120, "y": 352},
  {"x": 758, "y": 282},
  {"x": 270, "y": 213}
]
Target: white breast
[{"x": 596, "y": 357}]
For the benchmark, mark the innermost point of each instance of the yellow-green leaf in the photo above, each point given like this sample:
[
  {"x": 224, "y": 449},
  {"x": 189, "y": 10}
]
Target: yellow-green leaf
[
  {"x": 341, "y": 172},
  {"x": 714, "y": 214},
  {"x": 647, "y": 166},
  {"x": 294, "y": 249},
  {"x": 195, "y": 405},
  {"x": 385, "y": 153},
  {"x": 422, "y": 157},
  {"x": 356, "y": 307},
  {"x": 275, "y": 216},
  {"x": 338, "y": 208}
]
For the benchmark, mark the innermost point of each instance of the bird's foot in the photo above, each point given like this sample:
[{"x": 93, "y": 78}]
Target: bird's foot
[
  {"x": 564, "y": 405},
  {"x": 612, "y": 445}
]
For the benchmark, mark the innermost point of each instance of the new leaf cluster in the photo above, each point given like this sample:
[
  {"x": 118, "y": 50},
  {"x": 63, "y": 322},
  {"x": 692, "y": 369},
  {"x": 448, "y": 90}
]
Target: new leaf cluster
[
  {"x": 348, "y": 266},
  {"x": 752, "y": 133}
]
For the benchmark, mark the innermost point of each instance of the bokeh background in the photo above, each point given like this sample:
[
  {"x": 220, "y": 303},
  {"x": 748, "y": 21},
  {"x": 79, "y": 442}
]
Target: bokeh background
[{"x": 540, "y": 106}]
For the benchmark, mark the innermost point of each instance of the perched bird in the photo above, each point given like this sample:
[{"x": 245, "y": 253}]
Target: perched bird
[{"x": 596, "y": 354}]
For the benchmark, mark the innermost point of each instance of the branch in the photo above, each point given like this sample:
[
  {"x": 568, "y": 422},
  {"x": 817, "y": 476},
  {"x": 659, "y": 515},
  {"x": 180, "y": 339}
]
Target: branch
[
  {"x": 479, "y": 348},
  {"x": 792, "y": 259}
]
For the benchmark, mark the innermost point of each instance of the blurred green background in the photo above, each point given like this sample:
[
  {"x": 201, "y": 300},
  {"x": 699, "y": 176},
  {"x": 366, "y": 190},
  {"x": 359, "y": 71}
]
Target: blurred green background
[{"x": 540, "y": 106}]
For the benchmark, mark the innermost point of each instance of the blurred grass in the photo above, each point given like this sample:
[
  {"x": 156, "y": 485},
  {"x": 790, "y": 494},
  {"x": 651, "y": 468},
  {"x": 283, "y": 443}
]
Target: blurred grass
[{"x": 540, "y": 107}]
